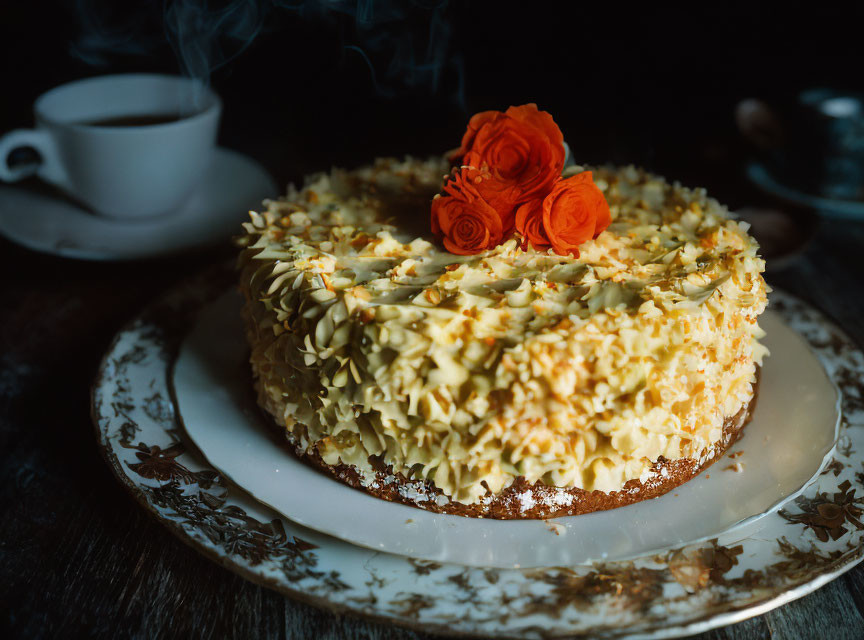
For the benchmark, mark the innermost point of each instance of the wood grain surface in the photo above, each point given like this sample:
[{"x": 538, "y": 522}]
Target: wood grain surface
[{"x": 78, "y": 558}]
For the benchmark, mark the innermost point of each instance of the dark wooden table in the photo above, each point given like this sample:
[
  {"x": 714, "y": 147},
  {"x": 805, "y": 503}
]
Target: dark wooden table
[{"x": 78, "y": 557}]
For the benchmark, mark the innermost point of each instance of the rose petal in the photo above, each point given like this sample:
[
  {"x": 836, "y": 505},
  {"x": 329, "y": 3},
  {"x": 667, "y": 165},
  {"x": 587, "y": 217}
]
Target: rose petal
[
  {"x": 574, "y": 212},
  {"x": 529, "y": 223},
  {"x": 464, "y": 220}
]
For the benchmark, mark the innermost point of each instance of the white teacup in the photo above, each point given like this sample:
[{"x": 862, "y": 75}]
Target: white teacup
[{"x": 131, "y": 145}]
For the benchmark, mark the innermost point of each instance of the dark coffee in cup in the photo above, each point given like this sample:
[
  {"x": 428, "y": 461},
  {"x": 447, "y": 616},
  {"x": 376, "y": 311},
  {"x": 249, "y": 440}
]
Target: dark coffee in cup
[{"x": 144, "y": 120}]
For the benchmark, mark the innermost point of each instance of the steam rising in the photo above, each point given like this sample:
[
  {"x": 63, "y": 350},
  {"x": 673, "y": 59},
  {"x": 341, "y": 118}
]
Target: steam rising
[
  {"x": 206, "y": 39},
  {"x": 404, "y": 44},
  {"x": 105, "y": 33}
]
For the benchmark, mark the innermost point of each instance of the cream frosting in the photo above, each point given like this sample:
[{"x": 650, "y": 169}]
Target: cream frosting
[{"x": 371, "y": 343}]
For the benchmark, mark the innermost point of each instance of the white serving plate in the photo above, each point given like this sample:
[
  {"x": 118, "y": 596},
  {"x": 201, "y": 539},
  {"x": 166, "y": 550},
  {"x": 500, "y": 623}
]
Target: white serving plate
[{"x": 793, "y": 430}]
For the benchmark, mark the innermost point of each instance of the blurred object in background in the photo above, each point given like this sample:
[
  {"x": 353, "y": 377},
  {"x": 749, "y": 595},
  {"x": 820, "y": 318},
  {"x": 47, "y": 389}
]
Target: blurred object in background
[
  {"x": 232, "y": 185},
  {"x": 134, "y": 171},
  {"x": 124, "y": 146},
  {"x": 783, "y": 233},
  {"x": 809, "y": 151},
  {"x": 807, "y": 161}
]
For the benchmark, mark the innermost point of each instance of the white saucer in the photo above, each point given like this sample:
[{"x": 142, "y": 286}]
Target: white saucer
[
  {"x": 45, "y": 221},
  {"x": 783, "y": 449}
]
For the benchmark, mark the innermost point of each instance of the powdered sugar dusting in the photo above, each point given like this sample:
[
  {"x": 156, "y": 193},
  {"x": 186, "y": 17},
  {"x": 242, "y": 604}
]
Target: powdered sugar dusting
[{"x": 526, "y": 500}]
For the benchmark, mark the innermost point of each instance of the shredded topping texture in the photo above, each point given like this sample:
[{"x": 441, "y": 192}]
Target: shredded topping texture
[{"x": 372, "y": 344}]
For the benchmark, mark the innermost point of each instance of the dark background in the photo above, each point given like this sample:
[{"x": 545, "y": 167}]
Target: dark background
[
  {"x": 339, "y": 83},
  {"x": 310, "y": 84}
]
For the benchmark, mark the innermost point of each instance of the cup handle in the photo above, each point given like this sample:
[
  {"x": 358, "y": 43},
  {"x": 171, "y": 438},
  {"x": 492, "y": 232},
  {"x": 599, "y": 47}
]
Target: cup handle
[{"x": 48, "y": 169}]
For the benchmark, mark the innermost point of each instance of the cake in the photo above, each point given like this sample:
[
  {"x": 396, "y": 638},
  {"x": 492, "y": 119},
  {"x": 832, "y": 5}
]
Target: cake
[{"x": 510, "y": 382}]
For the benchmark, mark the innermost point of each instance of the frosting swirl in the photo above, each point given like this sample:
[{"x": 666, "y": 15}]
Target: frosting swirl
[{"x": 369, "y": 340}]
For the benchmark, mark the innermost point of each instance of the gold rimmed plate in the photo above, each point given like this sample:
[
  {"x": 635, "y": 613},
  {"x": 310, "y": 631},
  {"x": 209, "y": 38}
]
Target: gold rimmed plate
[{"x": 677, "y": 590}]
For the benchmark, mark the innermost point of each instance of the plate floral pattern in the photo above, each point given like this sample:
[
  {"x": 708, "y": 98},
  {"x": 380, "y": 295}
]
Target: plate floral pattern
[{"x": 682, "y": 590}]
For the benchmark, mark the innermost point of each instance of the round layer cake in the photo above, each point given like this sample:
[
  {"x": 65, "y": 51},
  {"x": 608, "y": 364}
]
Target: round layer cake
[{"x": 513, "y": 383}]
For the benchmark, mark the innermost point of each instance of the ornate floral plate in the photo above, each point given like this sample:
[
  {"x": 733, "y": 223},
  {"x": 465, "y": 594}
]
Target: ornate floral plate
[
  {"x": 786, "y": 444},
  {"x": 672, "y": 592}
]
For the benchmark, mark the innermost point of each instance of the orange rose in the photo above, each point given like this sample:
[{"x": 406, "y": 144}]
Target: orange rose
[
  {"x": 574, "y": 212},
  {"x": 501, "y": 196},
  {"x": 529, "y": 223},
  {"x": 466, "y": 222},
  {"x": 474, "y": 124},
  {"x": 522, "y": 147}
]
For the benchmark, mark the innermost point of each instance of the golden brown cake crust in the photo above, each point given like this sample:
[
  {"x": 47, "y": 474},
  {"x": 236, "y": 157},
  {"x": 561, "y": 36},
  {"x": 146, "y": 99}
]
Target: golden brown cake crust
[{"x": 522, "y": 500}]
